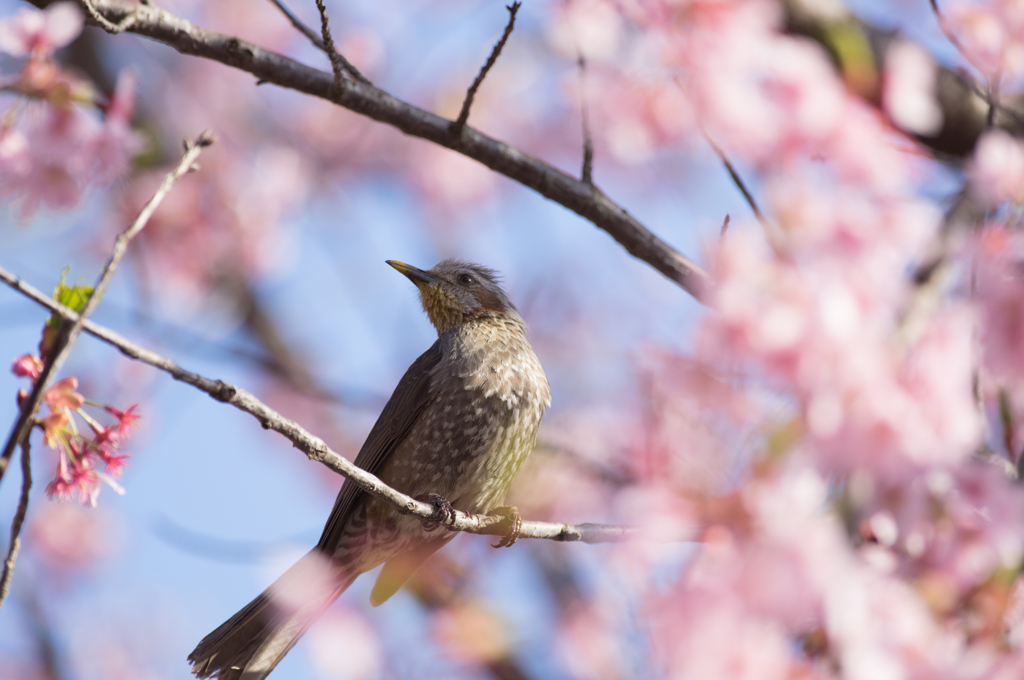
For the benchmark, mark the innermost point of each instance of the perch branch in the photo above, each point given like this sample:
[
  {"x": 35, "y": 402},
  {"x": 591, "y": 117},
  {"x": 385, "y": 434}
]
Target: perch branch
[{"x": 317, "y": 450}]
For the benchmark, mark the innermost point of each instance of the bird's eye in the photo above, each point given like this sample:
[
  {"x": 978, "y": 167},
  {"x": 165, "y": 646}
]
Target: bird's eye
[{"x": 466, "y": 278}]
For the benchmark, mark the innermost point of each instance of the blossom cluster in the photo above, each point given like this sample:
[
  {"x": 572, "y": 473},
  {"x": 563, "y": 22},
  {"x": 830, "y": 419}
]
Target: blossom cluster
[
  {"x": 865, "y": 540},
  {"x": 82, "y": 451},
  {"x": 53, "y": 142},
  {"x": 79, "y": 456}
]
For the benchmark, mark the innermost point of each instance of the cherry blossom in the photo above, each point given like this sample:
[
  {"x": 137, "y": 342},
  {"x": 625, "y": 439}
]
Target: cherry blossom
[{"x": 37, "y": 33}]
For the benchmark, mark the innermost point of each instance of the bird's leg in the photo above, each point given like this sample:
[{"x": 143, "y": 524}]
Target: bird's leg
[
  {"x": 444, "y": 513},
  {"x": 512, "y": 521}
]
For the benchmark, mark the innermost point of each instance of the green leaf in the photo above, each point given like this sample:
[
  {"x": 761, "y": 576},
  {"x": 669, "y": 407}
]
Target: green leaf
[{"x": 74, "y": 297}]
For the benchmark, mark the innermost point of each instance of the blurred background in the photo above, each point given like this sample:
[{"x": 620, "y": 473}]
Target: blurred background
[{"x": 266, "y": 269}]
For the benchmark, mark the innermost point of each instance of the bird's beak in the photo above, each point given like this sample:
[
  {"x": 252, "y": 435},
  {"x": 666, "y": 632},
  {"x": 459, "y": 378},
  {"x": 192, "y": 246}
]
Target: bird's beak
[{"x": 417, "y": 276}]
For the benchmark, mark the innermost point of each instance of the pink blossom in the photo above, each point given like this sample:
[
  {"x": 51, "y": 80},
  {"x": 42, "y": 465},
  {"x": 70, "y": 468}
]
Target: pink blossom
[
  {"x": 127, "y": 420},
  {"x": 56, "y": 148},
  {"x": 52, "y": 166},
  {"x": 1000, "y": 299},
  {"x": 63, "y": 395},
  {"x": 115, "y": 464},
  {"x": 116, "y": 143},
  {"x": 55, "y": 429},
  {"x": 39, "y": 33},
  {"x": 990, "y": 36},
  {"x": 75, "y": 479},
  {"x": 27, "y": 366},
  {"x": 997, "y": 169},
  {"x": 909, "y": 89}
]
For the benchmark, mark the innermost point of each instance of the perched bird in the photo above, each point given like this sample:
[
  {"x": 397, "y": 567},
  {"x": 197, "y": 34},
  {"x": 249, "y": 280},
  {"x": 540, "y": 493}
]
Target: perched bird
[{"x": 457, "y": 430}]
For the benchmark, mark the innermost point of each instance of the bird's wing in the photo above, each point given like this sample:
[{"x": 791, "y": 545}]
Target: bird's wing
[{"x": 410, "y": 398}]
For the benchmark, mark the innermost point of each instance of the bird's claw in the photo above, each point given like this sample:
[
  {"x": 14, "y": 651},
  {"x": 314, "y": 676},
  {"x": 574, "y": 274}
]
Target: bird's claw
[
  {"x": 444, "y": 513},
  {"x": 514, "y": 523}
]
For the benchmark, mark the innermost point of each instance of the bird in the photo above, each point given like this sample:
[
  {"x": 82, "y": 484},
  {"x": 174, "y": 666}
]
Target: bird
[{"x": 456, "y": 431}]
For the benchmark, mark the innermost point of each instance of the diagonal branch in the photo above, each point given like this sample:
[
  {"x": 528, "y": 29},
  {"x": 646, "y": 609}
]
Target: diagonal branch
[
  {"x": 18, "y": 521},
  {"x": 317, "y": 450},
  {"x": 319, "y": 42},
  {"x": 69, "y": 332},
  {"x": 583, "y": 199},
  {"x": 460, "y": 122}
]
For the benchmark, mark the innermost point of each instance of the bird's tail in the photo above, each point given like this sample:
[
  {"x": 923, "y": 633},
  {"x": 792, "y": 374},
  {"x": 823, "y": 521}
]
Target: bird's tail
[{"x": 252, "y": 642}]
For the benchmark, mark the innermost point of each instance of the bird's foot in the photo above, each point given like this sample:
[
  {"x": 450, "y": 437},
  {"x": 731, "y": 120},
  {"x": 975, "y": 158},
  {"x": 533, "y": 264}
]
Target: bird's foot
[
  {"x": 444, "y": 513},
  {"x": 512, "y": 521}
]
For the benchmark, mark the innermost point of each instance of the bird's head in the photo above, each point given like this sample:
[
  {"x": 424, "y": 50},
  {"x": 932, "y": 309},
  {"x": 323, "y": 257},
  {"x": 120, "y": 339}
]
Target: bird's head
[{"x": 455, "y": 292}]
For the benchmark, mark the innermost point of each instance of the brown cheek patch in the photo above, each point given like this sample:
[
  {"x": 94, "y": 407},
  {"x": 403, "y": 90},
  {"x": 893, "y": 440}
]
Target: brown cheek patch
[{"x": 490, "y": 301}]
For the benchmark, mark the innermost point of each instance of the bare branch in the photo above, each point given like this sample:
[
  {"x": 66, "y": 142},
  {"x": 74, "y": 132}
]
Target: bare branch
[
  {"x": 581, "y": 198},
  {"x": 460, "y": 122},
  {"x": 69, "y": 332},
  {"x": 108, "y": 26},
  {"x": 332, "y": 53},
  {"x": 725, "y": 227},
  {"x": 317, "y": 450},
  {"x": 18, "y": 521},
  {"x": 319, "y": 42},
  {"x": 587, "y": 173}
]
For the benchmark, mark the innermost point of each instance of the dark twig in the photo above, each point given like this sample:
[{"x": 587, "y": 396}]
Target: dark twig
[
  {"x": 332, "y": 53},
  {"x": 319, "y": 42},
  {"x": 317, "y": 450},
  {"x": 378, "y": 105},
  {"x": 738, "y": 181},
  {"x": 725, "y": 227},
  {"x": 991, "y": 93},
  {"x": 69, "y": 332},
  {"x": 771, "y": 233},
  {"x": 588, "y": 143},
  {"x": 460, "y": 122},
  {"x": 18, "y": 521}
]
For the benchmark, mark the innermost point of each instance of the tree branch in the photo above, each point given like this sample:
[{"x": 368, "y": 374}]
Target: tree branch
[
  {"x": 317, "y": 450},
  {"x": 18, "y": 521},
  {"x": 460, "y": 122},
  {"x": 332, "y": 53},
  {"x": 583, "y": 199},
  {"x": 587, "y": 173},
  {"x": 69, "y": 332},
  {"x": 102, "y": 21},
  {"x": 319, "y": 42}
]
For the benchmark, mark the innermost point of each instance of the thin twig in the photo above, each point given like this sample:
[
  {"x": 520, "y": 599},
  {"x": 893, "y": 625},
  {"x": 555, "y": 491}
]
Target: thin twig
[
  {"x": 588, "y": 143},
  {"x": 109, "y": 26},
  {"x": 725, "y": 227},
  {"x": 317, "y": 450},
  {"x": 18, "y": 521},
  {"x": 770, "y": 232},
  {"x": 378, "y": 105},
  {"x": 738, "y": 181},
  {"x": 332, "y": 53},
  {"x": 460, "y": 122},
  {"x": 69, "y": 332},
  {"x": 319, "y": 42}
]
